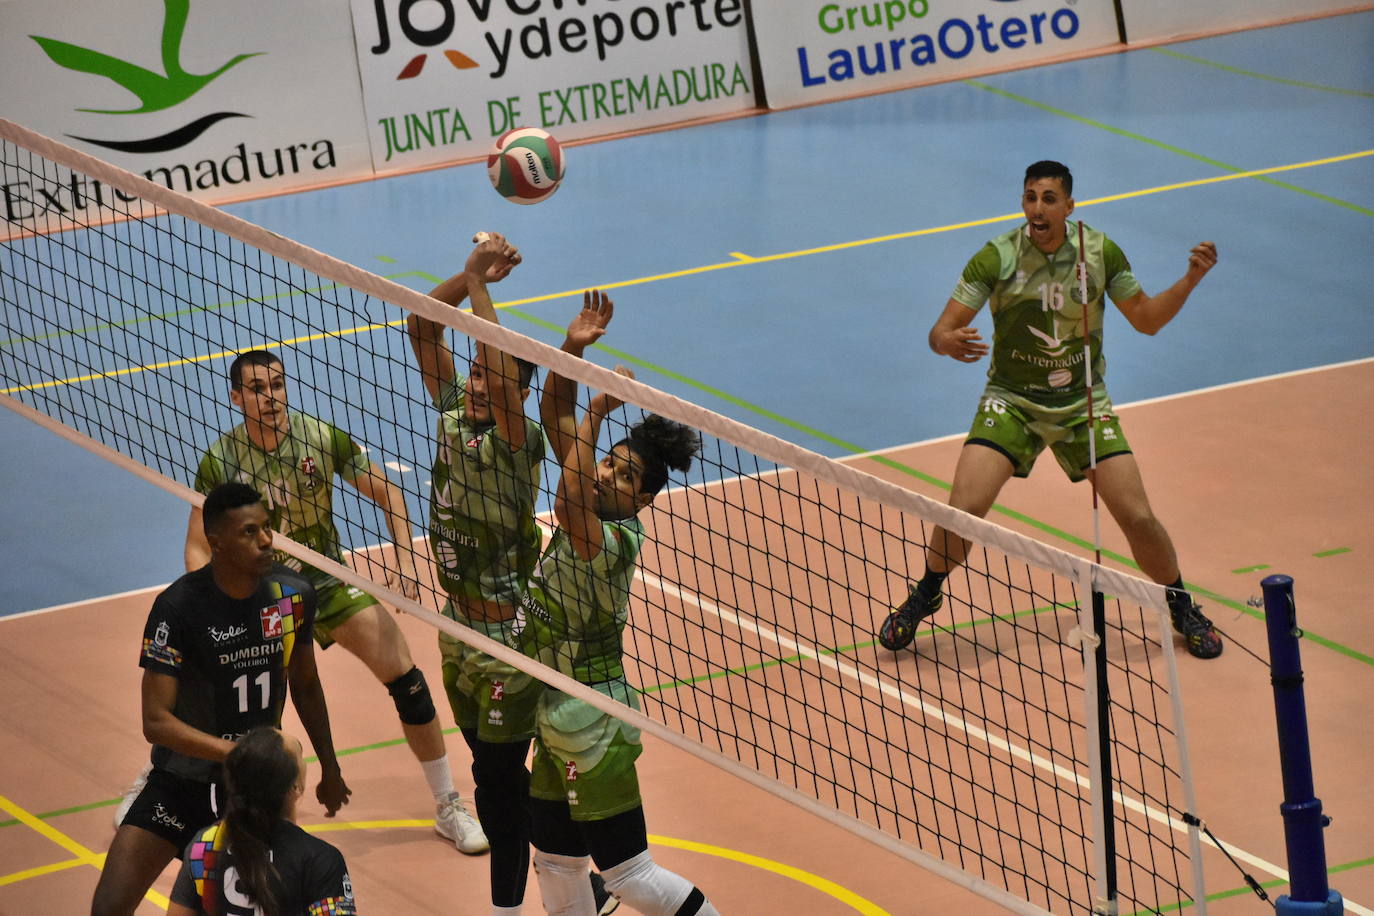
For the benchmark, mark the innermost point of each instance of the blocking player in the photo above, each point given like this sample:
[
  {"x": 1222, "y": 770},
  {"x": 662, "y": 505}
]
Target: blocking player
[
  {"x": 1035, "y": 395},
  {"x": 221, "y": 647},
  {"x": 577, "y": 609},
  {"x": 485, "y": 541}
]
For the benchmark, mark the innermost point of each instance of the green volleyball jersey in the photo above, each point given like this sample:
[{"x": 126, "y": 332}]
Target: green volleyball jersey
[
  {"x": 576, "y": 609},
  {"x": 481, "y": 520},
  {"x": 1037, "y": 310},
  {"x": 295, "y": 480}
]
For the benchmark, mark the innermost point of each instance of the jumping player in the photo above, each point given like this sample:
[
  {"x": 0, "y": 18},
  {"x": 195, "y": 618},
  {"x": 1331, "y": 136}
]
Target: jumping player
[{"x": 1035, "y": 396}]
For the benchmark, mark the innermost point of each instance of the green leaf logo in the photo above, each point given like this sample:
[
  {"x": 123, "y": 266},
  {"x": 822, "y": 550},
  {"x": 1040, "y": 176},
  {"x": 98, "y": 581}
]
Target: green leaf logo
[{"x": 156, "y": 91}]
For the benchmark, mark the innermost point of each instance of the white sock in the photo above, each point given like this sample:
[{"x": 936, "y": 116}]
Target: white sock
[
  {"x": 507, "y": 910},
  {"x": 439, "y": 777},
  {"x": 563, "y": 884}
]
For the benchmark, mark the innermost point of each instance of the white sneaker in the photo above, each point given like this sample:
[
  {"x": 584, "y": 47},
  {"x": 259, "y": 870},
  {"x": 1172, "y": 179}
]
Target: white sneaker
[
  {"x": 452, "y": 821},
  {"x": 130, "y": 794}
]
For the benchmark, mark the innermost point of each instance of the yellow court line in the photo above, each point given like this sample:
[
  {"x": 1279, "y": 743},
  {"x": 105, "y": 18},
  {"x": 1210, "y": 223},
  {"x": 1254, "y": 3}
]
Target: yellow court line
[
  {"x": 337, "y": 826},
  {"x": 40, "y": 871},
  {"x": 844, "y": 895},
  {"x": 740, "y": 260},
  {"x": 87, "y": 856}
]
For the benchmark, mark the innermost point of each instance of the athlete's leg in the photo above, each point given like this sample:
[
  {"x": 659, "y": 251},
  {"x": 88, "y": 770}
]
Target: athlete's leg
[
  {"x": 1123, "y": 490},
  {"x": 978, "y": 478},
  {"x": 503, "y": 808},
  {"x": 620, "y": 848},
  {"x": 135, "y": 859},
  {"x": 378, "y": 642}
]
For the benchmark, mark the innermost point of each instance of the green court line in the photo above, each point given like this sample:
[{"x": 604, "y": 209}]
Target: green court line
[
  {"x": 1331, "y": 553},
  {"x": 1121, "y": 132},
  {"x": 1244, "y": 890},
  {"x": 1249, "y": 569},
  {"x": 1261, "y": 76}
]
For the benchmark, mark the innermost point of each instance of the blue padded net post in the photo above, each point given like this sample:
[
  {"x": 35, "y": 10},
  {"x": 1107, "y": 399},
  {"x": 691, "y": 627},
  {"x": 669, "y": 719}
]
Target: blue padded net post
[{"x": 1303, "y": 820}]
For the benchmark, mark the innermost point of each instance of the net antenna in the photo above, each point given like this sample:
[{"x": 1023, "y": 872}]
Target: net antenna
[
  {"x": 749, "y": 633},
  {"x": 1095, "y": 647}
]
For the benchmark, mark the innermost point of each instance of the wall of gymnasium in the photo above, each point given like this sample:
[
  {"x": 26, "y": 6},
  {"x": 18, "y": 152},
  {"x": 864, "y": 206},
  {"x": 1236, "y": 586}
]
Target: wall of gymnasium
[{"x": 233, "y": 100}]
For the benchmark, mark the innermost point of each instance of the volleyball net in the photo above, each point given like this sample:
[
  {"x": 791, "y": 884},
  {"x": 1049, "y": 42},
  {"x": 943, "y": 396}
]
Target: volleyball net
[{"x": 1023, "y": 750}]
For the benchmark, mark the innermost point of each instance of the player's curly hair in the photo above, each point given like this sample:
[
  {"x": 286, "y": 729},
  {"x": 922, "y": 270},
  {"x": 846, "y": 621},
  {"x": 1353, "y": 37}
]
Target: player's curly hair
[{"x": 662, "y": 444}]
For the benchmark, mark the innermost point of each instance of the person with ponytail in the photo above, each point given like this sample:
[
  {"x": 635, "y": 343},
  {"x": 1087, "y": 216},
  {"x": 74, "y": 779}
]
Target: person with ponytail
[
  {"x": 256, "y": 860},
  {"x": 585, "y": 800}
]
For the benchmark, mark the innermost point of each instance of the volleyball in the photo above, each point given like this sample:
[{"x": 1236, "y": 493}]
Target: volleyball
[{"x": 525, "y": 165}]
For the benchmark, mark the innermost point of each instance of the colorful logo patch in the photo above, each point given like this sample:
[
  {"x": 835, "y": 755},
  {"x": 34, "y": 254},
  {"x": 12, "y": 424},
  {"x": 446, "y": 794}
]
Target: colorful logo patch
[
  {"x": 162, "y": 654},
  {"x": 498, "y": 691}
]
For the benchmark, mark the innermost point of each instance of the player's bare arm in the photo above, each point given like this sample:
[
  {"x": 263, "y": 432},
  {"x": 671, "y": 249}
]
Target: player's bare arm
[
  {"x": 382, "y": 490},
  {"x": 558, "y": 408},
  {"x": 576, "y": 503},
  {"x": 1148, "y": 314},
  {"x": 162, "y": 727},
  {"x": 951, "y": 335},
  {"x": 495, "y": 256},
  {"x": 307, "y": 695}
]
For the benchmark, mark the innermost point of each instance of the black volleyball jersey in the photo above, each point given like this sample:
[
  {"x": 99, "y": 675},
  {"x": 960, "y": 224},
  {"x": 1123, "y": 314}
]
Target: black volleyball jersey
[
  {"x": 312, "y": 879},
  {"x": 229, "y": 655}
]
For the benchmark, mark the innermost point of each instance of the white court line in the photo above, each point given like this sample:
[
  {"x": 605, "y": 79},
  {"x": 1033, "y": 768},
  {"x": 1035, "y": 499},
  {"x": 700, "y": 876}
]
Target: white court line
[{"x": 940, "y": 715}]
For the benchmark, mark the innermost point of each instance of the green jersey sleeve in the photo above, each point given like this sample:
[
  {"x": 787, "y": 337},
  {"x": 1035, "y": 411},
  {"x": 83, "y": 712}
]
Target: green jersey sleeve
[
  {"x": 1121, "y": 282},
  {"x": 350, "y": 461},
  {"x": 210, "y": 473},
  {"x": 979, "y": 277}
]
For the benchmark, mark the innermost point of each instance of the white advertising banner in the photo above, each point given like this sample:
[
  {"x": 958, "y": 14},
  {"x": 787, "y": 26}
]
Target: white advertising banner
[
  {"x": 218, "y": 100},
  {"x": 1160, "y": 20},
  {"x": 813, "y": 50},
  {"x": 442, "y": 78}
]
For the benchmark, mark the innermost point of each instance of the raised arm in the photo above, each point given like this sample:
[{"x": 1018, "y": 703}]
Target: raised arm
[
  {"x": 382, "y": 490},
  {"x": 428, "y": 338},
  {"x": 951, "y": 335},
  {"x": 576, "y": 503},
  {"x": 557, "y": 409},
  {"x": 307, "y": 695},
  {"x": 500, "y": 370},
  {"x": 1149, "y": 314}
]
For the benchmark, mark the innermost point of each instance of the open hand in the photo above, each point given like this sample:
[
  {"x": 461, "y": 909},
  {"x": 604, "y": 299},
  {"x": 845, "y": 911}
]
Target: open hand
[{"x": 590, "y": 324}]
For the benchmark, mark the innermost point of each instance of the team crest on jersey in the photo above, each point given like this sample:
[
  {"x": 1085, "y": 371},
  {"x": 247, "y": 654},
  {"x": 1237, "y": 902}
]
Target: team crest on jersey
[
  {"x": 160, "y": 634},
  {"x": 271, "y": 622},
  {"x": 498, "y": 691},
  {"x": 570, "y": 773},
  {"x": 475, "y": 441},
  {"x": 308, "y": 468}
]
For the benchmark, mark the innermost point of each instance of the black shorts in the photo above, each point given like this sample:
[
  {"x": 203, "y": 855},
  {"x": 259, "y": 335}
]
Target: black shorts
[{"x": 174, "y": 807}]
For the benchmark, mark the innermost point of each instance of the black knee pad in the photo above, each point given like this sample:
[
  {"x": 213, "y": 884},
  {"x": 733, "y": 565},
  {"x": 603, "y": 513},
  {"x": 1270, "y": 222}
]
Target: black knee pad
[{"x": 410, "y": 693}]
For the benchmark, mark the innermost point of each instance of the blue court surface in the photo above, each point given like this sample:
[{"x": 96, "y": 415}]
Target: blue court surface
[{"x": 784, "y": 269}]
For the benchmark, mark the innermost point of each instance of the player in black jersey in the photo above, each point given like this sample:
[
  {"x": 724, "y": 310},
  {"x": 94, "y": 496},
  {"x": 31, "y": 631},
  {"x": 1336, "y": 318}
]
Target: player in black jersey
[
  {"x": 256, "y": 860},
  {"x": 220, "y": 647}
]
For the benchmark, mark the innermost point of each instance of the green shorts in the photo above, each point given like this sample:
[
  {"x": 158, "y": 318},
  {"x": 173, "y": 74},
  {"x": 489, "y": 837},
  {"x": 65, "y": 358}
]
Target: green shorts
[
  {"x": 335, "y": 604},
  {"x": 586, "y": 758},
  {"x": 485, "y": 693},
  {"x": 1020, "y": 430}
]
